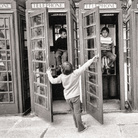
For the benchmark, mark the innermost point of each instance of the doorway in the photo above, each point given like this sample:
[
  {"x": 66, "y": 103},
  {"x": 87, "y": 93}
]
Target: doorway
[
  {"x": 110, "y": 77},
  {"x": 56, "y": 22}
]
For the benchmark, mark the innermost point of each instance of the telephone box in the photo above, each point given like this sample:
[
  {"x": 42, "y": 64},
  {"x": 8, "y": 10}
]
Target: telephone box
[
  {"x": 131, "y": 52},
  {"x": 14, "y": 80},
  {"x": 44, "y": 19},
  {"x": 98, "y": 85}
]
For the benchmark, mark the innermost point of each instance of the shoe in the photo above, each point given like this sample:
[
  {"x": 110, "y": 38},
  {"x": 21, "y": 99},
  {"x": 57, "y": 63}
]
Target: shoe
[
  {"x": 108, "y": 72},
  {"x": 83, "y": 130},
  {"x": 107, "y": 67}
]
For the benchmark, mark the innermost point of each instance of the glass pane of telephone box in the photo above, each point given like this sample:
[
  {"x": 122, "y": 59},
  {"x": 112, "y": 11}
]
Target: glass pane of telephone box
[
  {"x": 91, "y": 31},
  {"x": 90, "y": 43},
  {"x": 92, "y": 100},
  {"x": 39, "y": 60},
  {"x": 93, "y": 89},
  {"x": 92, "y": 78},
  {"x": 37, "y": 32},
  {"x": 37, "y": 20},
  {"x": 5, "y": 62},
  {"x": 90, "y": 19}
]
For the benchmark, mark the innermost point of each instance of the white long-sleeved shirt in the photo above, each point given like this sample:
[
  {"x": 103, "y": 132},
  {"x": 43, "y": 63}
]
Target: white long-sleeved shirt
[{"x": 70, "y": 82}]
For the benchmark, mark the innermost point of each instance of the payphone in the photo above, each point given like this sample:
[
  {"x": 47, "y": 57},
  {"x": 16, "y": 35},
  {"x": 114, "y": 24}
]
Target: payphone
[
  {"x": 44, "y": 19},
  {"x": 98, "y": 85},
  {"x": 14, "y": 80}
]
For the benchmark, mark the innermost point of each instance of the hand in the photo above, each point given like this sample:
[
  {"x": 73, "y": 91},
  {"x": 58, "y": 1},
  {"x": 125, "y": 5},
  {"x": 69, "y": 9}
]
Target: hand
[
  {"x": 49, "y": 71},
  {"x": 95, "y": 58},
  {"x": 114, "y": 55}
]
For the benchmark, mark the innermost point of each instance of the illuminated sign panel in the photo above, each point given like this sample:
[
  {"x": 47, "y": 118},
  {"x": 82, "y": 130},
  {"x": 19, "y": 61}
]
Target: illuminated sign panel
[
  {"x": 53, "y": 5},
  {"x": 101, "y": 6},
  {"x": 5, "y": 6}
]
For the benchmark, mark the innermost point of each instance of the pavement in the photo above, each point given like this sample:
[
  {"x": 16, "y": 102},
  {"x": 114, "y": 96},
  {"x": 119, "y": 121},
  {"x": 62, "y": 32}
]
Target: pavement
[{"x": 116, "y": 125}]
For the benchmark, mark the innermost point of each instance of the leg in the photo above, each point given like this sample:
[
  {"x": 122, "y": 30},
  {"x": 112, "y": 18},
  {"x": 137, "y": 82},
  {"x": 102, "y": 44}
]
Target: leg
[
  {"x": 58, "y": 57},
  {"x": 111, "y": 57},
  {"x": 69, "y": 101},
  {"x": 77, "y": 113},
  {"x": 64, "y": 56}
]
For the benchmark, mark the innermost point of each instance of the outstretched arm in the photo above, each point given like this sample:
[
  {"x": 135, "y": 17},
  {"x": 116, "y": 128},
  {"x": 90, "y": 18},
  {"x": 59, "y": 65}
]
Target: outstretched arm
[
  {"x": 86, "y": 65},
  {"x": 51, "y": 79}
]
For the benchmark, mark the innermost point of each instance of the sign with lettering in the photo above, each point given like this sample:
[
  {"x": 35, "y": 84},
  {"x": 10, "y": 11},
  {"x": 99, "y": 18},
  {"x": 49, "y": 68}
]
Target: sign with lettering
[
  {"x": 5, "y": 6},
  {"x": 59, "y": 5},
  {"x": 101, "y": 6}
]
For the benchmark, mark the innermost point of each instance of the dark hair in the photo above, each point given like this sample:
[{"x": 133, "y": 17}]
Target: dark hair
[
  {"x": 62, "y": 30},
  {"x": 67, "y": 68},
  {"x": 105, "y": 28}
]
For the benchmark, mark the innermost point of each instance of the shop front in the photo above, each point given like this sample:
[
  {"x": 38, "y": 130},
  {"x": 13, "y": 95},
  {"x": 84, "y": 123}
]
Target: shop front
[{"x": 14, "y": 80}]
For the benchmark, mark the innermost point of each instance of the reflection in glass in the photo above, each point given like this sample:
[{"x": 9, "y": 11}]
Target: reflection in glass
[
  {"x": 3, "y": 86},
  {"x": 2, "y": 44},
  {"x": 42, "y": 67},
  {"x": 39, "y": 67},
  {"x": 2, "y": 66},
  {"x": 90, "y": 19},
  {"x": 90, "y": 43},
  {"x": 39, "y": 55},
  {"x": 3, "y": 97},
  {"x": 91, "y": 54},
  {"x": 37, "y": 44},
  {"x": 94, "y": 101},
  {"x": 7, "y": 23},
  {"x": 7, "y": 44},
  {"x": 42, "y": 90},
  {"x": 37, "y": 32},
  {"x": 93, "y": 67},
  {"x": 10, "y": 86},
  {"x": 11, "y": 97},
  {"x": 93, "y": 78},
  {"x": 39, "y": 78},
  {"x": 8, "y": 65},
  {"x": 7, "y": 34},
  {"x": 40, "y": 100},
  {"x": 3, "y": 76},
  {"x": 2, "y": 33},
  {"x": 91, "y": 31},
  {"x": 37, "y": 20},
  {"x": 3, "y": 55},
  {"x": 92, "y": 89},
  {"x": 9, "y": 76},
  {"x": 1, "y": 22}
]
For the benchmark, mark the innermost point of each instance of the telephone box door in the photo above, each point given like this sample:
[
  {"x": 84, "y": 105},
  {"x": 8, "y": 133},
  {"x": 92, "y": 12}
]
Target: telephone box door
[
  {"x": 38, "y": 48},
  {"x": 93, "y": 76}
]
